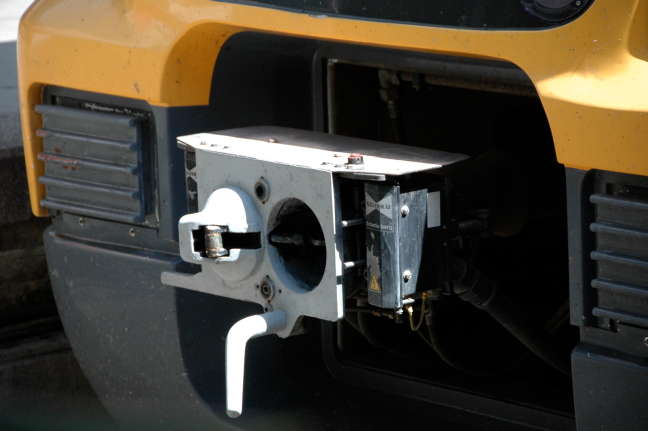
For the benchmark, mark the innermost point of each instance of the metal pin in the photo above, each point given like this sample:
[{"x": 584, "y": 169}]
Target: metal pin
[
  {"x": 352, "y": 264},
  {"x": 214, "y": 242},
  {"x": 352, "y": 222}
]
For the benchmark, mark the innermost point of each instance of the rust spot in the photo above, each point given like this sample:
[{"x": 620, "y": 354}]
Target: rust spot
[{"x": 68, "y": 164}]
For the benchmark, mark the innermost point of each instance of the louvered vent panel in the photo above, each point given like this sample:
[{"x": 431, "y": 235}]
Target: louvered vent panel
[
  {"x": 620, "y": 228},
  {"x": 93, "y": 163}
]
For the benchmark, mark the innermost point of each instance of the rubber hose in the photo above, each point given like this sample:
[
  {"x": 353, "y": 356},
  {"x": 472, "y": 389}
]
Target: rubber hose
[
  {"x": 475, "y": 288},
  {"x": 442, "y": 351}
]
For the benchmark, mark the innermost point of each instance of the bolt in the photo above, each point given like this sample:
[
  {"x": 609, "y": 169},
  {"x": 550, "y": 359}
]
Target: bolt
[
  {"x": 81, "y": 221},
  {"x": 578, "y": 3},
  {"x": 407, "y": 275},
  {"x": 645, "y": 341},
  {"x": 355, "y": 159},
  {"x": 131, "y": 232},
  {"x": 267, "y": 289},
  {"x": 214, "y": 241},
  {"x": 404, "y": 211}
]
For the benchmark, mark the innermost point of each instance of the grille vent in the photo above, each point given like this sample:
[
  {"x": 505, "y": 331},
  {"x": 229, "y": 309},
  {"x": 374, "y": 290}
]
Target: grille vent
[
  {"x": 93, "y": 163},
  {"x": 620, "y": 256}
]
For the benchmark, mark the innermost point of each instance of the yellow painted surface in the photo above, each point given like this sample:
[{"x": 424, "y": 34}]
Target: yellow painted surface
[{"x": 591, "y": 74}]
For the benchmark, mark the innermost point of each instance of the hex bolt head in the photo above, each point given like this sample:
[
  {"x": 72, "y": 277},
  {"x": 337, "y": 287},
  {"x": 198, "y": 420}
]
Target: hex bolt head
[
  {"x": 407, "y": 275},
  {"x": 355, "y": 159},
  {"x": 267, "y": 288},
  {"x": 404, "y": 211}
]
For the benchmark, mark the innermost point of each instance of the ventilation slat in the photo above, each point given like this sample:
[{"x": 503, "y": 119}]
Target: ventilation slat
[
  {"x": 89, "y": 148},
  {"x": 121, "y": 216},
  {"x": 89, "y": 187},
  {"x": 628, "y": 318},
  {"x": 627, "y": 233},
  {"x": 72, "y": 168},
  {"x": 97, "y": 124},
  {"x": 620, "y": 288},
  {"x": 621, "y": 203},
  {"x": 615, "y": 258},
  {"x": 74, "y": 161}
]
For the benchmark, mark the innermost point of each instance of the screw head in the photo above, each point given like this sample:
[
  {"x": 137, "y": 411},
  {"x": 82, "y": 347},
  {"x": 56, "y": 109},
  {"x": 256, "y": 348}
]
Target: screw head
[
  {"x": 131, "y": 232},
  {"x": 81, "y": 221},
  {"x": 645, "y": 341},
  {"x": 404, "y": 211}
]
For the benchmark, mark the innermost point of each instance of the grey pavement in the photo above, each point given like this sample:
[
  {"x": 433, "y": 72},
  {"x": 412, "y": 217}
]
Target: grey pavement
[
  {"x": 14, "y": 206},
  {"x": 10, "y": 13}
]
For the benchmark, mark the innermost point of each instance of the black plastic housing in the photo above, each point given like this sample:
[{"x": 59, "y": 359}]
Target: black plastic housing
[{"x": 608, "y": 248}]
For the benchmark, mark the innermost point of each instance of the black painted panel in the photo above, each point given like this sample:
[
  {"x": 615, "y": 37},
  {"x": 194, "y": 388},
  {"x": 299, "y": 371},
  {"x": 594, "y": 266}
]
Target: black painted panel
[{"x": 486, "y": 14}]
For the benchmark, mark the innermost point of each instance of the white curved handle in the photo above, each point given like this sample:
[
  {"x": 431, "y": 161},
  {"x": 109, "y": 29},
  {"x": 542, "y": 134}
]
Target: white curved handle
[{"x": 237, "y": 338}]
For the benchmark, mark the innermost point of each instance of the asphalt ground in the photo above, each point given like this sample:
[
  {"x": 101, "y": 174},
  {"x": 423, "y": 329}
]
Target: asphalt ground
[{"x": 13, "y": 198}]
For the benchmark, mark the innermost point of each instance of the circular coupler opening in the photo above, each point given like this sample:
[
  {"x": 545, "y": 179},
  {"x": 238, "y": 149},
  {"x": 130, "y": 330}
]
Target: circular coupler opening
[{"x": 298, "y": 239}]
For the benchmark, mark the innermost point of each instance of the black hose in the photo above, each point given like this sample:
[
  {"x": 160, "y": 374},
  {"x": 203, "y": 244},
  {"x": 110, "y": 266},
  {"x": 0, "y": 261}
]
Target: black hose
[
  {"x": 444, "y": 353},
  {"x": 474, "y": 287}
]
